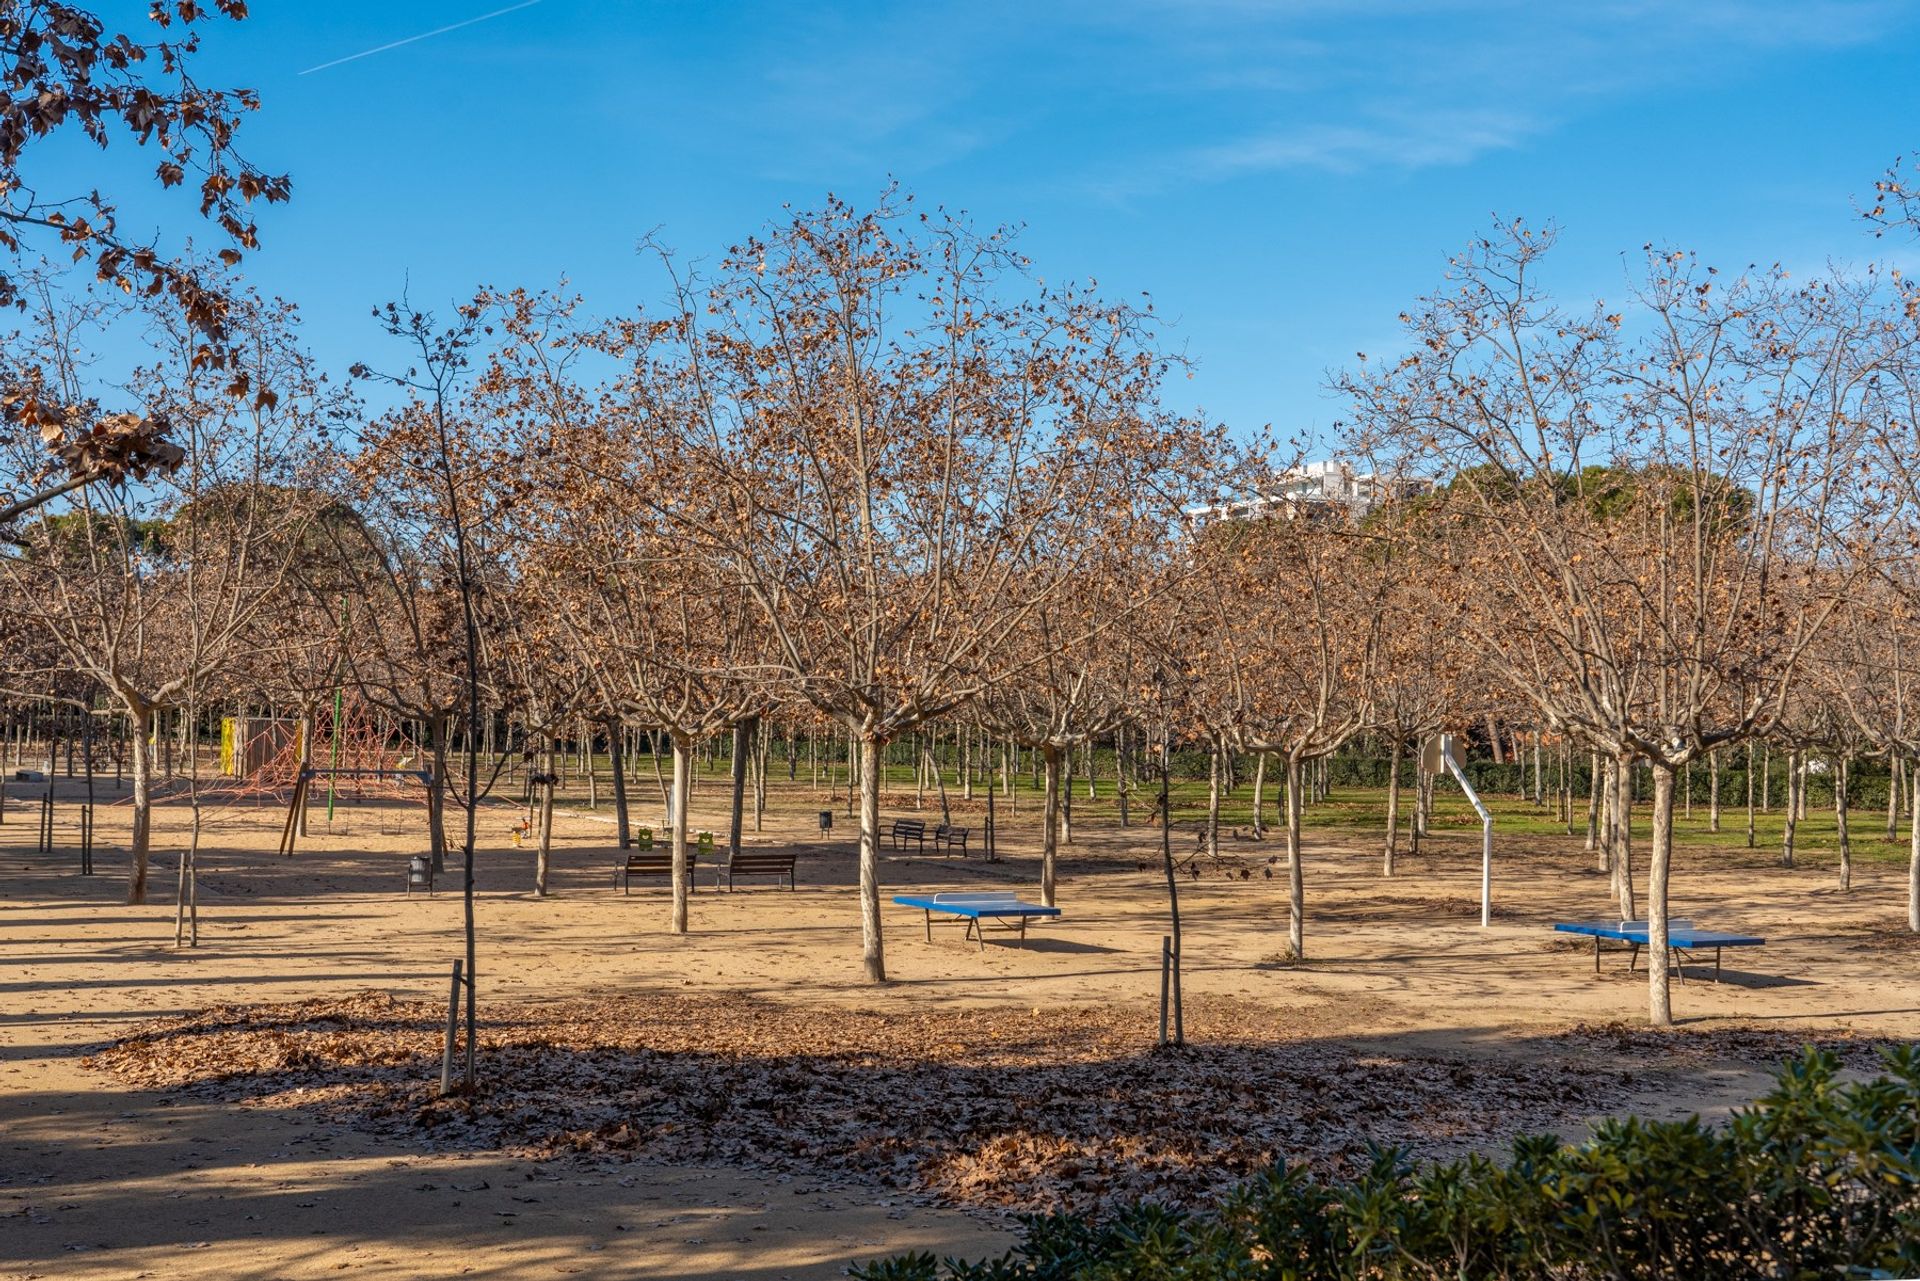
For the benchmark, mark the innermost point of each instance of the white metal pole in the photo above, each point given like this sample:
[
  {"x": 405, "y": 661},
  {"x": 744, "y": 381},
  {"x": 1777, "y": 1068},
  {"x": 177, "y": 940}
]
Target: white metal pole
[{"x": 1486, "y": 830}]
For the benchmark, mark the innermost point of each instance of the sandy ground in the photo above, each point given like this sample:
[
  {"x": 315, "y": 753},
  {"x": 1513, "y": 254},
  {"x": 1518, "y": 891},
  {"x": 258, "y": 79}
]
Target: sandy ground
[{"x": 101, "y": 1181}]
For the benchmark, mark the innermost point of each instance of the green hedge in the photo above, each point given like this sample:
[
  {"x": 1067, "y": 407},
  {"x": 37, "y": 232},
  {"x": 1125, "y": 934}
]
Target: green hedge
[{"x": 1818, "y": 1179}]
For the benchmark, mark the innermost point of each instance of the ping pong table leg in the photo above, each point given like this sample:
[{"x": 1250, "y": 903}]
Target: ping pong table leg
[
  {"x": 1633, "y": 958},
  {"x": 979, "y": 927},
  {"x": 1596, "y": 954},
  {"x": 1716, "y": 965},
  {"x": 1023, "y": 931},
  {"x": 929, "y": 925}
]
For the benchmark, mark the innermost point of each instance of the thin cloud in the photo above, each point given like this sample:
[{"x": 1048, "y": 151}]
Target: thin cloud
[
  {"x": 424, "y": 35},
  {"x": 1437, "y": 139}
]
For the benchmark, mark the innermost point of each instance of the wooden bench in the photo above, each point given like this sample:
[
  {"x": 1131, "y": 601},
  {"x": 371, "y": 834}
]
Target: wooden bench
[
  {"x": 775, "y": 863},
  {"x": 908, "y": 829},
  {"x": 652, "y": 863},
  {"x": 950, "y": 838}
]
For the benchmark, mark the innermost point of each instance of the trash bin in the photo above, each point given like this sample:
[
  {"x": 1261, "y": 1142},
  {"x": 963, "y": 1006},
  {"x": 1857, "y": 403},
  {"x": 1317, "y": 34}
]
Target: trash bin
[
  {"x": 420, "y": 874},
  {"x": 826, "y": 820}
]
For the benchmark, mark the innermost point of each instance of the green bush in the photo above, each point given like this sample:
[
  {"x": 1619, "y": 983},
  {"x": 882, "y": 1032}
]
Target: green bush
[{"x": 1818, "y": 1179}]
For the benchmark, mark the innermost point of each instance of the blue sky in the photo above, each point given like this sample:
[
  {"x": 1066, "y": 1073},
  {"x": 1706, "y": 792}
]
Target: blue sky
[{"x": 1283, "y": 178}]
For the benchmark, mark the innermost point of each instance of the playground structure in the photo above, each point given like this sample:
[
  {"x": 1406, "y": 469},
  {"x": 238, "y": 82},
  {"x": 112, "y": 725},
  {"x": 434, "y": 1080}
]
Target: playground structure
[{"x": 357, "y": 745}]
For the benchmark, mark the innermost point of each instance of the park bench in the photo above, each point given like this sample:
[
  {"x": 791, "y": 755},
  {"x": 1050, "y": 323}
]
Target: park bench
[
  {"x": 645, "y": 863},
  {"x": 976, "y": 909},
  {"x": 774, "y": 863},
  {"x": 950, "y": 838},
  {"x": 908, "y": 829},
  {"x": 1682, "y": 938},
  {"x": 645, "y": 860}
]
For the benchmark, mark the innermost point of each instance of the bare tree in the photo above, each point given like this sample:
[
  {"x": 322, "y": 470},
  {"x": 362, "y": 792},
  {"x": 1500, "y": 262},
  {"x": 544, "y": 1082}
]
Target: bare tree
[
  {"x": 897, "y": 458},
  {"x": 1658, "y": 518},
  {"x": 148, "y": 589}
]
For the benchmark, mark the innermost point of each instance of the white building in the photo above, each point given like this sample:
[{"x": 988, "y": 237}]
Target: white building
[{"x": 1315, "y": 489}]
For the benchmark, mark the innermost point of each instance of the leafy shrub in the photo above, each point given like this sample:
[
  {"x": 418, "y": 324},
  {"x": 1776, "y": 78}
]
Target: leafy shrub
[{"x": 1821, "y": 1178}]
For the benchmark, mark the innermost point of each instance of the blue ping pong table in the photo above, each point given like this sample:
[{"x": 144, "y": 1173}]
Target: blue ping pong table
[
  {"x": 974, "y": 909},
  {"x": 1682, "y": 939}
]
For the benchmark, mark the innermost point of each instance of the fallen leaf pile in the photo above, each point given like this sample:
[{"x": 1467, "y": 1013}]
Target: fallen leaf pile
[
  {"x": 1007, "y": 1109},
  {"x": 1763, "y": 1047}
]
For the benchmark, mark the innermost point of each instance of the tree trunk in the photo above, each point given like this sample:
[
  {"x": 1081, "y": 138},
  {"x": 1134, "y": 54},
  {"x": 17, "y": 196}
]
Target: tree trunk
[
  {"x": 437, "y": 732},
  {"x": 744, "y": 733},
  {"x": 588, "y": 768},
  {"x": 1750, "y": 782},
  {"x": 874, "y": 955},
  {"x": 1066, "y": 796},
  {"x": 186, "y": 909},
  {"x": 920, "y": 773},
  {"x": 1296, "y": 883},
  {"x": 543, "y": 858},
  {"x": 1049, "y": 820},
  {"x": 1563, "y": 785},
  {"x": 682, "y": 801},
  {"x": 1659, "y": 955},
  {"x": 1393, "y": 807},
  {"x": 1841, "y": 769},
  {"x": 762, "y": 757},
  {"x": 1623, "y": 831},
  {"x": 653, "y": 754},
  {"x": 616, "y": 761},
  {"x": 1416, "y": 820},
  {"x": 140, "y": 842},
  {"x": 940, "y": 785},
  {"x": 1894, "y": 779},
  {"x": 1913, "y": 858},
  {"x": 1713, "y": 792},
  {"x": 1173, "y": 892},
  {"x": 1794, "y": 782},
  {"x": 1493, "y": 738},
  {"x": 1609, "y": 815},
  {"x": 1594, "y": 787},
  {"x": 304, "y": 758},
  {"x": 1213, "y": 801},
  {"x": 1259, "y": 795}
]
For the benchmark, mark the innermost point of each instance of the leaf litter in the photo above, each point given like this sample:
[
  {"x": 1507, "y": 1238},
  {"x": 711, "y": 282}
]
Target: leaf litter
[{"x": 1002, "y": 1110}]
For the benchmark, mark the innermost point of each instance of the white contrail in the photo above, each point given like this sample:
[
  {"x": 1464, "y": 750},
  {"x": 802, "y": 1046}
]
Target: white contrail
[{"x": 424, "y": 35}]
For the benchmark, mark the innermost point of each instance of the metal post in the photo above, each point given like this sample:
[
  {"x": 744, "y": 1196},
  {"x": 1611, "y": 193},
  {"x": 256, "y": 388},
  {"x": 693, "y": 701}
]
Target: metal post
[{"x": 1486, "y": 829}]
